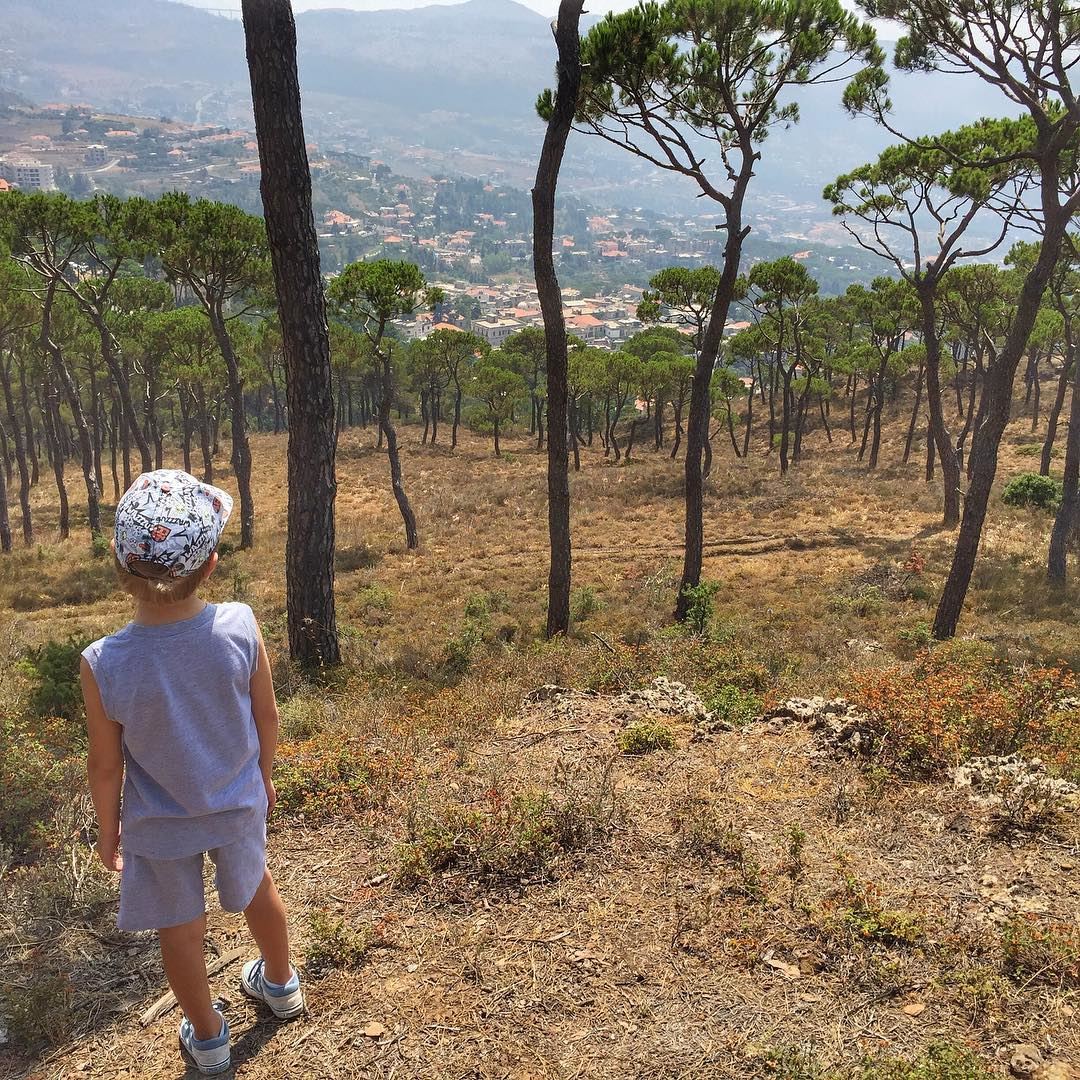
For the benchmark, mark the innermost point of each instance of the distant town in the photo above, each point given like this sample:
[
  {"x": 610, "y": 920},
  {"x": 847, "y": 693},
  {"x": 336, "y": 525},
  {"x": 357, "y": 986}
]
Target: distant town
[{"x": 471, "y": 236}]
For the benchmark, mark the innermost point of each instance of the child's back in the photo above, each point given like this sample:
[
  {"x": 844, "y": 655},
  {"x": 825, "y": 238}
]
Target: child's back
[{"x": 181, "y": 692}]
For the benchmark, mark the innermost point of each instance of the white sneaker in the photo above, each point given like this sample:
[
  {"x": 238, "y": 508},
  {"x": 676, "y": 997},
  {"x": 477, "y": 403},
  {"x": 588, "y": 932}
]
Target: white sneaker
[
  {"x": 285, "y": 1001},
  {"x": 209, "y": 1056}
]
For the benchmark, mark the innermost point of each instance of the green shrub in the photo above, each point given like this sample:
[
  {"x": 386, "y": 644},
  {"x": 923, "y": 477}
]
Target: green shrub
[
  {"x": 863, "y": 917},
  {"x": 375, "y": 602},
  {"x": 305, "y": 715},
  {"x": 32, "y": 771},
  {"x": 332, "y": 944},
  {"x": 100, "y": 547},
  {"x": 40, "y": 1013},
  {"x": 733, "y": 705},
  {"x": 1031, "y": 489},
  {"x": 940, "y": 1061},
  {"x": 360, "y": 556},
  {"x": 700, "y": 608},
  {"x": 583, "y": 603},
  {"x": 645, "y": 736},
  {"x": 321, "y": 778},
  {"x": 1039, "y": 951},
  {"x": 510, "y": 838},
  {"x": 54, "y": 667},
  {"x": 459, "y": 649}
]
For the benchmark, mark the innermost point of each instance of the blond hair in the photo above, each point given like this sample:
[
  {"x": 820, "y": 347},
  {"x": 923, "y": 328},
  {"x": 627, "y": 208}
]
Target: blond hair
[{"x": 150, "y": 583}]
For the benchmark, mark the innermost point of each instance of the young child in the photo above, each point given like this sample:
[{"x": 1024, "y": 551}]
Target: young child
[{"x": 181, "y": 714}]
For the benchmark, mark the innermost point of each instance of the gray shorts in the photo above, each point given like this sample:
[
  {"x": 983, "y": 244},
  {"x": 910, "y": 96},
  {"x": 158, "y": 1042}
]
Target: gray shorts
[{"x": 159, "y": 893}]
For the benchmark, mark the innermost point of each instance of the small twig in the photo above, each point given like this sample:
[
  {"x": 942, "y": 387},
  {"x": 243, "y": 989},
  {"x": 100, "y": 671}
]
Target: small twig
[
  {"x": 607, "y": 644},
  {"x": 167, "y": 1002}
]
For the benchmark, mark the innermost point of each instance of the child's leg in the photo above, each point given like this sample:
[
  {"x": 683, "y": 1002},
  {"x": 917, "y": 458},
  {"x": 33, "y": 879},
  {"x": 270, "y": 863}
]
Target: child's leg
[
  {"x": 269, "y": 927},
  {"x": 184, "y": 961}
]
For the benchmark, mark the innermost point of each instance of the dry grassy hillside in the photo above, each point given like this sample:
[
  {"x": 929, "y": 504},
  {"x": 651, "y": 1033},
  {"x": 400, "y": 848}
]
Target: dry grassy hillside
[{"x": 491, "y": 882}]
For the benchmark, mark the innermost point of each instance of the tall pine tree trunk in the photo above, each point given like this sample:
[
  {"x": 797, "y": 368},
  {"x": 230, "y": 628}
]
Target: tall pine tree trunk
[
  {"x": 294, "y": 251},
  {"x": 560, "y": 121}
]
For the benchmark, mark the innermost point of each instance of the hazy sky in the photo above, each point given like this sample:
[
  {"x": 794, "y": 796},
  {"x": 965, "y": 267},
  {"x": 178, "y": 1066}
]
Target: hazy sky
[{"x": 545, "y": 7}]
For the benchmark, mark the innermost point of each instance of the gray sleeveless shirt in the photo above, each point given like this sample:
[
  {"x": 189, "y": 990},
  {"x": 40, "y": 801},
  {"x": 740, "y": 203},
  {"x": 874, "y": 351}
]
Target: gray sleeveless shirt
[{"x": 182, "y": 694}]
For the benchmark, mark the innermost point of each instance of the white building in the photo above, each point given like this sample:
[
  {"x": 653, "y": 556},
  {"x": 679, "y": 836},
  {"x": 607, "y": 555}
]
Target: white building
[
  {"x": 96, "y": 155},
  {"x": 495, "y": 331},
  {"x": 28, "y": 174}
]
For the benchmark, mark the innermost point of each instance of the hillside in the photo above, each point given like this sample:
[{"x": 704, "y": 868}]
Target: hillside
[
  {"x": 485, "y": 883},
  {"x": 450, "y": 88}
]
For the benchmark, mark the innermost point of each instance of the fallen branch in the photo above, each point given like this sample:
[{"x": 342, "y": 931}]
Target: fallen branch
[{"x": 167, "y": 1002}]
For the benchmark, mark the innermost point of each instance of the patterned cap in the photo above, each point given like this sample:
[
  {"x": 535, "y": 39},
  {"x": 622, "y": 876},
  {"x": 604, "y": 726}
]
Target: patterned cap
[{"x": 170, "y": 519}]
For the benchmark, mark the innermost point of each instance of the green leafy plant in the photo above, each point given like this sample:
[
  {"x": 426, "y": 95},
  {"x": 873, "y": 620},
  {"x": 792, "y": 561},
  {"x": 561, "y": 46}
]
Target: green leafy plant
[
  {"x": 54, "y": 667},
  {"x": 40, "y": 1013},
  {"x": 31, "y": 778},
  {"x": 862, "y": 917},
  {"x": 1037, "y": 950},
  {"x": 700, "y": 607},
  {"x": 1031, "y": 489},
  {"x": 583, "y": 603},
  {"x": 733, "y": 705},
  {"x": 334, "y": 944},
  {"x": 510, "y": 837},
  {"x": 645, "y": 736}
]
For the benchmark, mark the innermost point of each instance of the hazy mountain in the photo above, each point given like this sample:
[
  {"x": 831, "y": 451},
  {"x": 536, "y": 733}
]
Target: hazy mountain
[{"x": 441, "y": 87}]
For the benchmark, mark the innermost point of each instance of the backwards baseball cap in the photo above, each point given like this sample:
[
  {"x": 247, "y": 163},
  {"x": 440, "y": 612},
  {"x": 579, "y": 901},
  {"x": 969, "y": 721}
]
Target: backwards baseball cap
[{"x": 168, "y": 519}]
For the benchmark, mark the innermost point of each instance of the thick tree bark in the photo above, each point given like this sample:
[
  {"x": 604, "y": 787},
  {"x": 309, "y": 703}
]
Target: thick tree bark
[
  {"x": 5, "y": 518},
  {"x": 561, "y": 120},
  {"x": 294, "y": 251}
]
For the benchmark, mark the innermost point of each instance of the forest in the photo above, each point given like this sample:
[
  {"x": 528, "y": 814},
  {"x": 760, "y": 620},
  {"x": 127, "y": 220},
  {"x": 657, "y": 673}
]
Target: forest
[{"x": 702, "y": 706}]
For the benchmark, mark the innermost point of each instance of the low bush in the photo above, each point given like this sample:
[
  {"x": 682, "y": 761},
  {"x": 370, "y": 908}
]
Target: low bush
[
  {"x": 34, "y": 765},
  {"x": 583, "y": 603},
  {"x": 375, "y": 603},
  {"x": 318, "y": 779},
  {"x": 1036, "y": 950},
  {"x": 860, "y": 916},
  {"x": 957, "y": 701},
  {"x": 733, "y": 705},
  {"x": 334, "y": 944},
  {"x": 40, "y": 1013},
  {"x": 1032, "y": 490},
  {"x": 54, "y": 669},
  {"x": 940, "y": 1061},
  {"x": 511, "y": 837},
  {"x": 645, "y": 736},
  {"x": 700, "y": 607},
  {"x": 305, "y": 715}
]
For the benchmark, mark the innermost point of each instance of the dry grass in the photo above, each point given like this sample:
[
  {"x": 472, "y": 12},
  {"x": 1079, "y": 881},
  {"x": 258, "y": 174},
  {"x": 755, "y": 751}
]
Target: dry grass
[{"x": 748, "y": 908}]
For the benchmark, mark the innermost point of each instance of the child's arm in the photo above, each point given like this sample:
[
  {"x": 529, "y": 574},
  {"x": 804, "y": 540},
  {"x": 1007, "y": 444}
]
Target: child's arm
[
  {"x": 104, "y": 770},
  {"x": 264, "y": 710}
]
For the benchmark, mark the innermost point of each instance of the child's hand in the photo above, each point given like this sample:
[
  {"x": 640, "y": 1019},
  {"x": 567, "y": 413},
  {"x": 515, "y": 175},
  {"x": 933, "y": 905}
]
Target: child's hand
[
  {"x": 108, "y": 849},
  {"x": 271, "y": 795}
]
